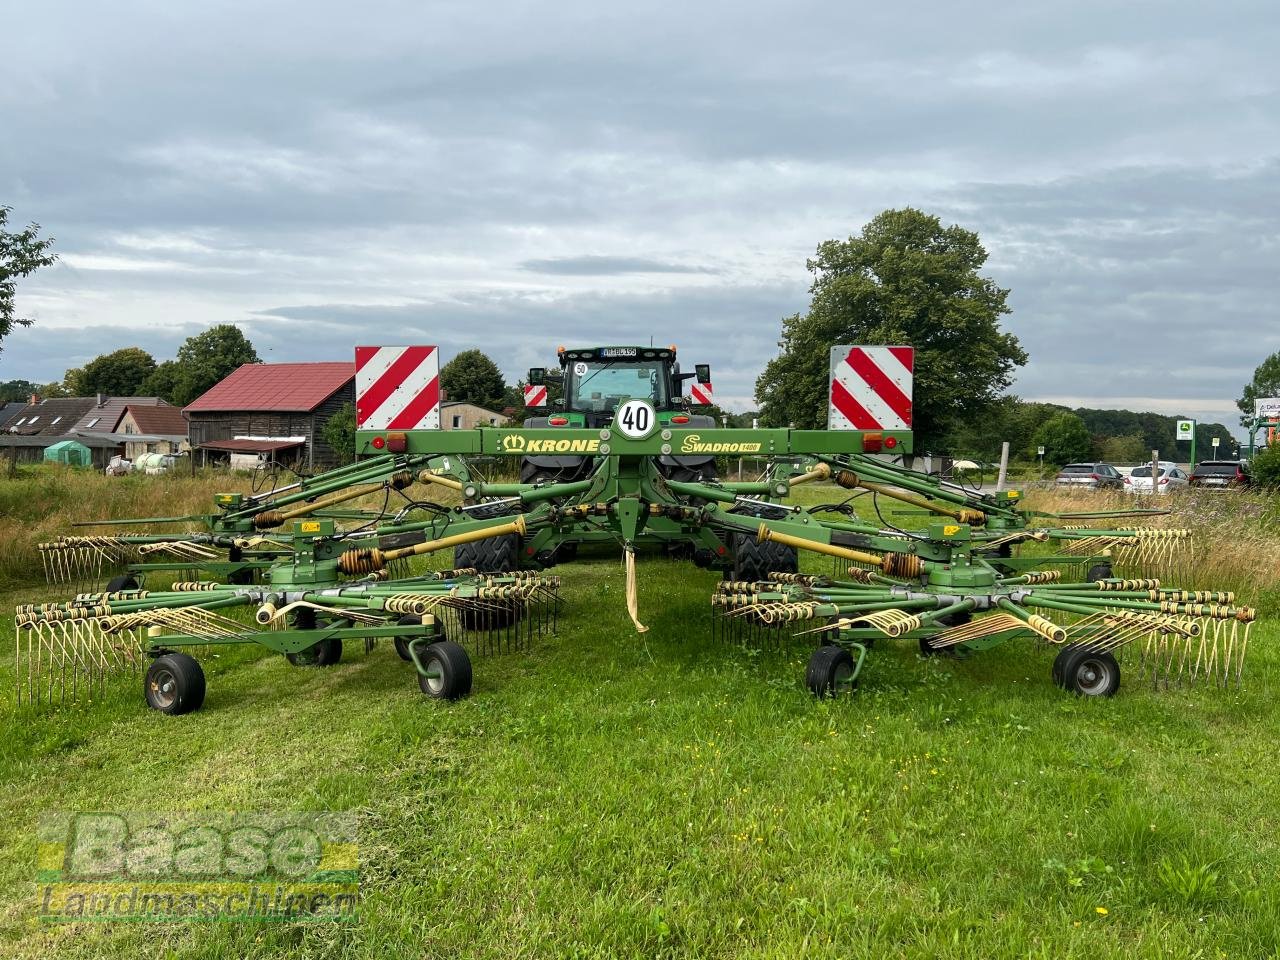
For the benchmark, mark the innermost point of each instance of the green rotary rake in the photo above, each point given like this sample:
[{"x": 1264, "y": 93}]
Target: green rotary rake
[{"x": 305, "y": 568}]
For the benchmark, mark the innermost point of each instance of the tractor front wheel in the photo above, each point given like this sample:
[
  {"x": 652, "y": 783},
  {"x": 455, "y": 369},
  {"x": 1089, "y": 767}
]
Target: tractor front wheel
[
  {"x": 1085, "y": 672},
  {"x": 174, "y": 684},
  {"x": 448, "y": 671},
  {"x": 831, "y": 672}
]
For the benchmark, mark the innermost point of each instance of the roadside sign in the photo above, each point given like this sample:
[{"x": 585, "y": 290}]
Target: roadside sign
[
  {"x": 1186, "y": 429},
  {"x": 1215, "y": 443},
  {"x": 1039, "y": 451},
  {"x": 1266, "y": 407}
]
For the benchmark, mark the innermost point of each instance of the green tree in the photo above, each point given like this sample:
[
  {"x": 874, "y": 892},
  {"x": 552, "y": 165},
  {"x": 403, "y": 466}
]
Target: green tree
[
  {"x": 208, "y": 357},
  {"x": 1127, "y": 449},
  {"x": 21, "y": 254},
  {"x": 1064, "y": 437},
  {"x": 339, "y": 432},
  {"x": 1264, "y": 468},
  {"x": 1265, "y": 383},
  {"x": 163, "y": 382},
  {"x": 118, "y": 374},
  {"x": 15, "y": 391},
  {"x": 906, "y": 279},
  {"x": 471, "y": 377}
]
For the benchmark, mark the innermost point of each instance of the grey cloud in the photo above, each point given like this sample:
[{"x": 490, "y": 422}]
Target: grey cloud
[
  {"x": 439, "y": 171},
  {"x": 602, "y": 266}
]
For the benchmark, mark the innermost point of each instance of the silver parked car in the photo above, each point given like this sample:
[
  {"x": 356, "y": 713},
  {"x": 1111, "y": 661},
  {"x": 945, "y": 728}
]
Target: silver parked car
[{"x": 1089, "y": 476}]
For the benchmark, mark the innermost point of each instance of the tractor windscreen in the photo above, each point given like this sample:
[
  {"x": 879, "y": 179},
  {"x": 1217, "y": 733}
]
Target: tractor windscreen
[{"x": 598, "y": 386}]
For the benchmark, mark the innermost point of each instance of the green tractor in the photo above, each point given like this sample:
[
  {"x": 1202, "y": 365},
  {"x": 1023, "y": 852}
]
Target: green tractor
[{"x": 595, "y": 382}]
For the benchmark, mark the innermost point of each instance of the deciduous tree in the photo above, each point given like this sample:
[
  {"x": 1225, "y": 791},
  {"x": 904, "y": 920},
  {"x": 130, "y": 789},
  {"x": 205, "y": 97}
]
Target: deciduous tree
[
  {"x": 21, "y": 254},
  {"x": 906, "y": 279}
]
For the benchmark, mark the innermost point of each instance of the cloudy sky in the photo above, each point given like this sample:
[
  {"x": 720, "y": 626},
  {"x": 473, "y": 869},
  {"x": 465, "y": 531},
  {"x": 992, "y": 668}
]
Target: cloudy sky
[{"x": 514, "y": 175}]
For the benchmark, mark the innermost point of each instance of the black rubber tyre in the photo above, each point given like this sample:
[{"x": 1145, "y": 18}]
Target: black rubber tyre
[
  {"x": 1099, "y": 571},
  {"x": 495, "y": 555},
  {"x": 450, "y": 671},
  {"x": 174, "y": 684},
  {"x": 753, "y": 560},
  {"x": 324, "y": 654},
  {"x": 125, "y": 581},
  {"x": 1085, "y": 672},
  {"x": 402, "y": 643},
  {"x": 830, "y": 672}
]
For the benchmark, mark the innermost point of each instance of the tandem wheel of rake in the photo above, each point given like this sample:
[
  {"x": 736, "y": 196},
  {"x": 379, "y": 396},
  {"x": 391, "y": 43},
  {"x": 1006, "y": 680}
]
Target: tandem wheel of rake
[
  {"x": 174, "y": 684},
  {"x": 1086, "y": 672}
]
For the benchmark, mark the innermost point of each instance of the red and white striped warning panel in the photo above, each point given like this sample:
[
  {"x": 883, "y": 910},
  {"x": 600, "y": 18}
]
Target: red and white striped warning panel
[
  {"x": 535, "y": 396},
  {"x": 397, "y": 388},
  {"x": 701, "y": 393},
  {"x": 871, "y": 388}
]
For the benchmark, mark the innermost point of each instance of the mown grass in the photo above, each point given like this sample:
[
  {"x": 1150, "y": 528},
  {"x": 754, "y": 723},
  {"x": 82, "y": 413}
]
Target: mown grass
[{"x": 609, "y": 794}]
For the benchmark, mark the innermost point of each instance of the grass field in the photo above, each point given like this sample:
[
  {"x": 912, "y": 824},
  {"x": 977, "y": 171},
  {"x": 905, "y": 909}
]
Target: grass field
[{"x": 609, "y": 794}]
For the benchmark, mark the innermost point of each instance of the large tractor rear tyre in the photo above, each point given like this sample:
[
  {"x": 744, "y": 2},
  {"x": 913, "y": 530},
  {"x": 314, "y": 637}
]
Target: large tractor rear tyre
[
  {"x": 753, "y": 560},
  {"x": 494, "y": 555}
]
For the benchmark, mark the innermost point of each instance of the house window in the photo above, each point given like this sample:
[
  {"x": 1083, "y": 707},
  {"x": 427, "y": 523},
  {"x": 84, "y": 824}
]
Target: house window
[
  {"x": 89, "y": 425},
  {"x": 21, "y": 421},
  {"x": 32, "y": 421},
  {"x": 55, "y": 421},
  {"x": 457, "y": 421}
]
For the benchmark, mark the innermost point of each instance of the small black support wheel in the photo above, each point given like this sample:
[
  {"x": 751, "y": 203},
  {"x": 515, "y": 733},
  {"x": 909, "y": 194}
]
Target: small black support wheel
[
  {"x": 324, "y": 654},
  {"x": 448, "y": 675},
  {"x": 830, "y": 672},
  {"x": 126, "y": 581},
  {"x": 1086, "y": 672},
  {"x": 402, "y": 643},
  {"x": 174, "y": 684},
  {"x": 1100, "y": 571}
]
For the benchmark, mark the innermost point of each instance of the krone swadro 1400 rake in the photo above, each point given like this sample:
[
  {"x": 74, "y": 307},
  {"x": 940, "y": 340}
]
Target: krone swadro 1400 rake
[{"x": 621, "y": 461}]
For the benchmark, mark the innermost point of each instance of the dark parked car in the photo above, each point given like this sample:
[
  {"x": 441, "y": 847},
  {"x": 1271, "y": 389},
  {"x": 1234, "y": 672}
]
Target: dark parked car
[
  {"x": 1090, "y": 476},
  {"x": 1220, "y": 473}
]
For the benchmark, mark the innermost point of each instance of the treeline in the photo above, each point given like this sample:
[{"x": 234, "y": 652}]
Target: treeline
[
  {"x": 1083, "y": 433},
  {"x": 202, "y": 361}
]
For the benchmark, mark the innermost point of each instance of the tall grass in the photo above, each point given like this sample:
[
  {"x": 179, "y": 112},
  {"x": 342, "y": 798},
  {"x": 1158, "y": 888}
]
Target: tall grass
[
  {"x": 45, "y": 501},
  {"x": 1235, "y": 535}
]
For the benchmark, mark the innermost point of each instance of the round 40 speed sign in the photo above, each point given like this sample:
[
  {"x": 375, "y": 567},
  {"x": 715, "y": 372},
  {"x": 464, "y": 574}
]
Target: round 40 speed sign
[{"x": 635, "y": 419}]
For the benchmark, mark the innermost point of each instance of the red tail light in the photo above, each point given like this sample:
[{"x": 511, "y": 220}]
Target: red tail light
[
  {"x": 1128, "y": 482},
  {"x": 1163, "y": 481},
  {"x": 1094, "y": 476},
  {"x": 378, "y": 443},
  {"x": 890, "y": 442},
  {"x": 558, "y": 421},
  {"x": 680, "y": 418},
  {"x": 872, "y": 442}
]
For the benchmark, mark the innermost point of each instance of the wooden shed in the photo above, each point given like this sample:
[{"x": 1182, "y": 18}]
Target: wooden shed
[{"x": 273, "y": 409}]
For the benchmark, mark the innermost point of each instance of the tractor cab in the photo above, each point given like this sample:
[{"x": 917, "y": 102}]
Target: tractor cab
[{"x": 594, "y": 381}]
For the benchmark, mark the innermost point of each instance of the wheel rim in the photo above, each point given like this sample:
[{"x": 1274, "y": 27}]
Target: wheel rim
[
  {"x": 434, "y": 677},
  {"x": 842, "y": 678},
  {"x": 1092, "y": 676},
  {"x": 164, "y": 688}
]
